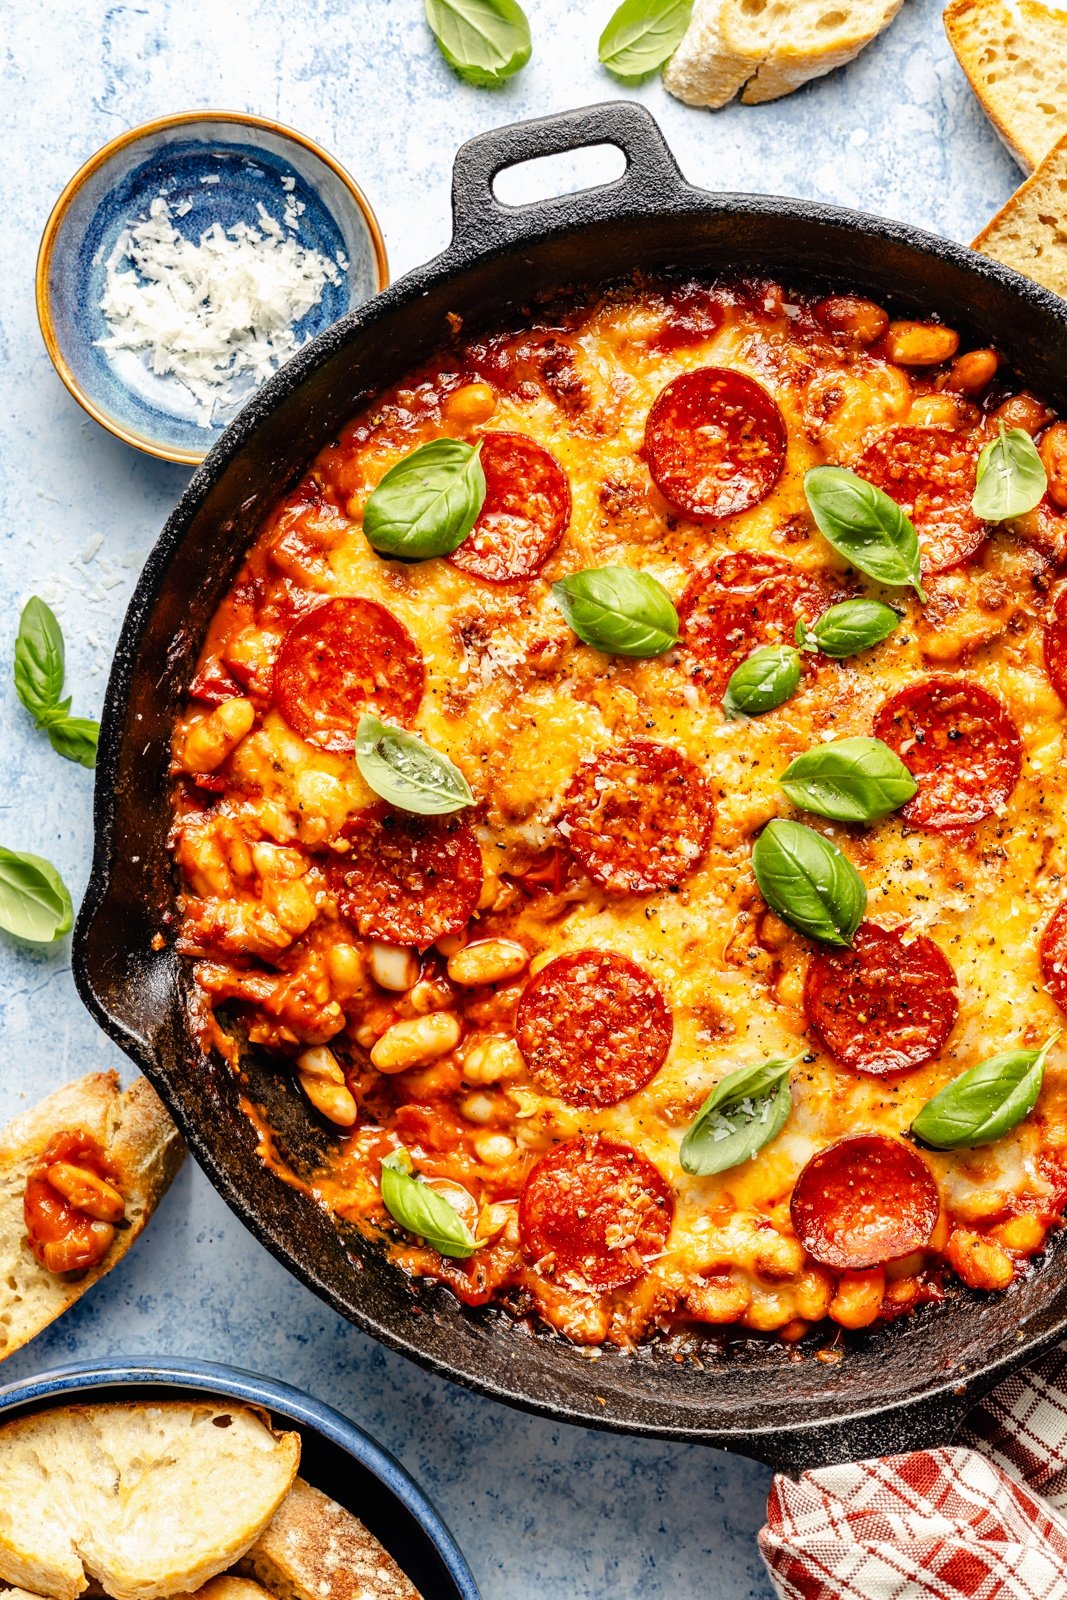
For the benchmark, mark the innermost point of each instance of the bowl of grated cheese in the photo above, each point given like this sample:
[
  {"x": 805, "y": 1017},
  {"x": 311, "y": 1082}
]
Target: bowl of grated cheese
[{"x": 186, "y": 261}]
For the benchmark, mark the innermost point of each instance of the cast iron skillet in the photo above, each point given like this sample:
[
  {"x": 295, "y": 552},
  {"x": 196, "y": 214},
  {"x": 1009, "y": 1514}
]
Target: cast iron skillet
[{"x": 897, "y": 1386}]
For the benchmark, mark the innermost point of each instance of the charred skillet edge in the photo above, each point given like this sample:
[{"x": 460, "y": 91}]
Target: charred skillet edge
[{"x": 486, "y": 232}]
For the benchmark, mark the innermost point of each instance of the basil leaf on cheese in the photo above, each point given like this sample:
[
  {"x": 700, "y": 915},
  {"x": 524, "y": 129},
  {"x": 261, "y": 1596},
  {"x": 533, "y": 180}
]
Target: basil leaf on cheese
[
  {"x": 618, "y": 610},
  {"x": 847, "y": 628},
  {"x": 422, "y": 1211},
  {"x": 406, "y": 771},
  {"x": 1011, "y": 478},
  {"x": 742, "y": 1114},
  {"x": 985, "y": 1103},
  {"x": 764, "y": 680},
  {"x": 809, "y": 882},
  {"x": 864, "y": 525},
  {"x": 428, "y": 502},
  {"x": 641, "y": 35},
  {"x": 484, "y": 41},
  {"x": 35, "y": 903},
  {"x": 850, "y": 780}
]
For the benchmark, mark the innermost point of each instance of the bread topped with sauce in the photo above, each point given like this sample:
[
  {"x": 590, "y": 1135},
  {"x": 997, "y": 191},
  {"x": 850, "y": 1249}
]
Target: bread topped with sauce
[
  {"x": 767, "y": 48},
  {"x": 1014, "y": 53},
  {"x": 115, "y": 1153},
  {"x": 148, "y": 1500}
]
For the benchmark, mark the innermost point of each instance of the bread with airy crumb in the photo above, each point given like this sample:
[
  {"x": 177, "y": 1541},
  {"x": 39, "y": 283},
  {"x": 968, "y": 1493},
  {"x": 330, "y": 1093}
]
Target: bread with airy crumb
[
  {"x": 1014, "y": 53},
  {"x": 768, "y": 48},
  {"x": 148, "y": 1500},
  {"x": 1030, "y": 232},
  {"x": 227, "y": 1587},
  {"x": 142, "y": 1145},
  {"x": 316, "y": 1550}
]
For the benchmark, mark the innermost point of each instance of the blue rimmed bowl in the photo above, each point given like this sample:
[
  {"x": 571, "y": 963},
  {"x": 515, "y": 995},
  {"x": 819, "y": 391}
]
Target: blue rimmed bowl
[
  {"x": 211, "y": 167},
  {"x": 336, "y": 1456}
]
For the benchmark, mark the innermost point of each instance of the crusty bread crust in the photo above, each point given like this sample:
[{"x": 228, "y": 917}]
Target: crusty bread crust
[
  {"x": 315, "y": 1550},
  {"x": 1014, "y": 53},
  {"x": 150, "y": 1500},
  {"x": 1030, "y": 232},
  {"x": 143, "y": 1145},
  {"x": 769, "y": 52}
]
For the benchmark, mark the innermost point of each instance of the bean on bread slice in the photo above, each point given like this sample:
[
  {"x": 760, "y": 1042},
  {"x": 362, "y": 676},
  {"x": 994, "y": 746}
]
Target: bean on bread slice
[
  {"x": 316, "y": 1550},
  {"x": 768, "y": 48},
  {"x": 1014, "y": 53},
  {"x": 148, "y": 1500},
  {"x": 1030, "y": 232},
  {"x": 143, "y": 1146}
]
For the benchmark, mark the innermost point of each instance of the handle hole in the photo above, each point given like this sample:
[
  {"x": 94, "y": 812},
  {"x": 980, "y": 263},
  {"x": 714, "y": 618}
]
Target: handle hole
[{"x": 545, "y": 176}]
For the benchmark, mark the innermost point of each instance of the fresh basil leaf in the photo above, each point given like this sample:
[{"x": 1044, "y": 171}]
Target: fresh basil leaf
[
  {"x": 408, "y": 772},
  {"x": 765, "y": 679},
  {"x": 983, "y": 1104},
  {"x": 34, "y": 901},
  {"x": 428, "y": 503},
  {"x": 848, "y": 628},
  {"x": 809, "y": 882},
  {"x": 742, "y": 1114},
  {"x": 39, "y": 664},
  {"x": 484, "y": 41},
  {"x": 1011, "y": 478},
  {"x": 422, "y": 1211},
  {"x": 75, "y": 738},
  {"x": 641, "y": 35},
  {"x": 864, "y": 525},
  {"x": 618, "y": 610},
  {"x": 850, "y": 780}
]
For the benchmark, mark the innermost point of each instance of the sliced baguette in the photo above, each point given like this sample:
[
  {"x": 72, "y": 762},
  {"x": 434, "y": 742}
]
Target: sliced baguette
[
  {"x": 703, "y": 71},
  {"x": 1030, "y": 232},
  {"x": 144, "y": 1147},
  {"x": 794, "y": 41},
  {"x": 148, "y": 1500},
  {"x": 1014, "y": 53},
  {"x": 768, "y": 48},
  {"x": 227, "y": 1587},
  {"x": 315, "y": 1550}
]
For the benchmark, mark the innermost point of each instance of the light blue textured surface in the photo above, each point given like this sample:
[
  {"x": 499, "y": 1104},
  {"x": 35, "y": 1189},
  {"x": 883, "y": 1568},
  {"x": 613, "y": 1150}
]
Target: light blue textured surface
[{"x": 542, "y": 1511}]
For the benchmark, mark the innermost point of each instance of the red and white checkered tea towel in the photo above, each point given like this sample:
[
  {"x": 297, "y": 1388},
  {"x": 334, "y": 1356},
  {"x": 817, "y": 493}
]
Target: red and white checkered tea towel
[{"x": 985, "y": 1519}]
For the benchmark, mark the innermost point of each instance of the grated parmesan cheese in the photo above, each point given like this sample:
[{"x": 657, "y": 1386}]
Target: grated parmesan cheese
[{"x": 217, "y": 315}]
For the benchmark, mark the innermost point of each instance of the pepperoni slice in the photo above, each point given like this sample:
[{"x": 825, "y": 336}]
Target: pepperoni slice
[
  {"x": 341, "y": 659},
  {"x": 863, "y": 1201},
  {"x": 407, "y": 879},
  {"x": 525, "y": 513},
  {"x": 739, "y": 602},
  {"x": 694, "y": 313},
  {"x": 593, "y": 1212},
  {"x": 715, "y": 442},
  {"x": 1056, "y": 645},
  {"x": 961, "y": 746},
  {"x": 1054, "y": 956},
  {"x": 883, "y": 1006},
  {"x": 931, "y": 472},
  {"x": 593, "y": 1028},
  {"x": 637, "y": 817}
]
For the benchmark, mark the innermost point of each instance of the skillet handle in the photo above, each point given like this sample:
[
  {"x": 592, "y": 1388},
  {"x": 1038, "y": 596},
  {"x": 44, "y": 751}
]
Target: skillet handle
[
  {"x": 924, "y": 1425},
  {"x": 652, "y": 178}
]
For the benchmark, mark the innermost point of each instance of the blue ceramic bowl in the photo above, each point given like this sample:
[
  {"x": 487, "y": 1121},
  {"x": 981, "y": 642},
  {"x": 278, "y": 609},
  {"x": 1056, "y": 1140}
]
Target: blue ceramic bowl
[
  {"x": 337, "y": 1457},
  {"x": 211, "y": 166}
]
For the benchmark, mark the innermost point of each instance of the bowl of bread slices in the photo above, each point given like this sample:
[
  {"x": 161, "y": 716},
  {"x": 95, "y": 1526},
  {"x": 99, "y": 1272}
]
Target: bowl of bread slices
[{"x": 142, "y": 1482}]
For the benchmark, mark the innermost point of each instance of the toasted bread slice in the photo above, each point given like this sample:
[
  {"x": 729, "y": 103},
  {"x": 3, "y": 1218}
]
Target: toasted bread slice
[
  {"x": 149, "y": 1500},
  {"x": 144, "y": 1147},
  {"x": 703, "y": 71},
  {"x": 227, "y": 1587},
  {"x": 794, "y": 41},
  {"x": 768, "y": 48},
  {"x": 1015, "y": 54},
  {"x": 1030, "y": 232},
  {"x": 315, "y": 1550}
]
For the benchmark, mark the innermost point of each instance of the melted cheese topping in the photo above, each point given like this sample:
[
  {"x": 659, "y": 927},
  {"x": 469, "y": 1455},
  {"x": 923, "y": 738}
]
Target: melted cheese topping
[{"x": 517, "y": 702}]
